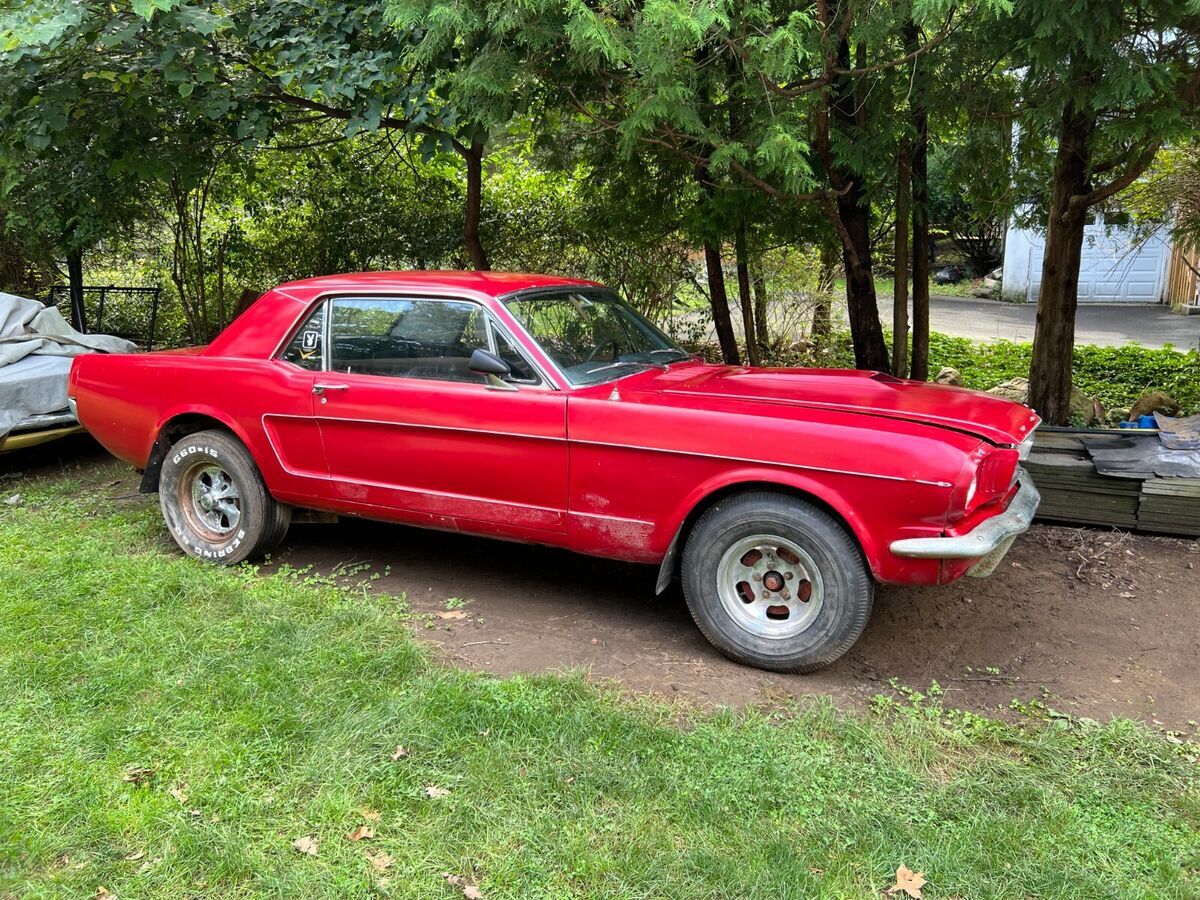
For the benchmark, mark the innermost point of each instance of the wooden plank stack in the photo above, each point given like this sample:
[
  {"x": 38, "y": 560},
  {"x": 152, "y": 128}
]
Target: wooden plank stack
[{"x": 1073, "y": 491}]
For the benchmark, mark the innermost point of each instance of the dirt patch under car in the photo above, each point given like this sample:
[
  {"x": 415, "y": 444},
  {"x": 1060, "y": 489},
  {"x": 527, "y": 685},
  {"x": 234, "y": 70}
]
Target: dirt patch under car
[{"x": 1093, "y": 623}]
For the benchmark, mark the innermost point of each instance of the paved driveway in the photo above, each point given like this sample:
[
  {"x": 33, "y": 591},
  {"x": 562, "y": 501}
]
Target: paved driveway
[{"x": 1106, "y": 325}]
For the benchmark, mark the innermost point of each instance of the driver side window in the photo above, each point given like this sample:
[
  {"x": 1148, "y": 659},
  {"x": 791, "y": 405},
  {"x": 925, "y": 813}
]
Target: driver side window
[{"x": 401, "y": 338}]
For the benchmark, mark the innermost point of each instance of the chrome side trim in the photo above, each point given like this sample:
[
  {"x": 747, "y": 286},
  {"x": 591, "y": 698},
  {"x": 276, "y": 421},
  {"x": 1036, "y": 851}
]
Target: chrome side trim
[
  {"x": 541, "y": 437},
  {"x": 762, "y": 462},
  {"x": 587, "y": 515},
  {"x": 984, "y": 538}
]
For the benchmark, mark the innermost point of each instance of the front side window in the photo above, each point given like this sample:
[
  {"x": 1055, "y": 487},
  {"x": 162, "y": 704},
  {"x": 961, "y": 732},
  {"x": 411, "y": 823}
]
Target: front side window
[
  {"x": 431, "y": 339},
  {"x": 591, "y": 334},
  {"x": 307, "y": 346}
]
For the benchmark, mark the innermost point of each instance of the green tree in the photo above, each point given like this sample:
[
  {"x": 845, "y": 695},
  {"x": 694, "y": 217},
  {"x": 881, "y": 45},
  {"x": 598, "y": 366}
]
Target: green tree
[
  {"x": 74, "y": 133},
  {"x": 1109, "y": 82}
]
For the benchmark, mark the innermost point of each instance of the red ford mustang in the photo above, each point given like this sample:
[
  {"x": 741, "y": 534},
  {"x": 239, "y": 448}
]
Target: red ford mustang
[{"x": 546, "y": 410}]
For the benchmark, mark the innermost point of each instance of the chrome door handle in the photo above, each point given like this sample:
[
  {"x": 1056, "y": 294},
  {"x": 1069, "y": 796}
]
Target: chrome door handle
[{"x": 322, "y": 388}]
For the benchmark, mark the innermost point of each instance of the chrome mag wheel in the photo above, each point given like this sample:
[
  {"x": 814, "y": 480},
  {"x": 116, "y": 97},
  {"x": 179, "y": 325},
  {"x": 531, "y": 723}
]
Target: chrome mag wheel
[
  {"x": 769, "y": 586},
  {"x": 210, "y": 500}
]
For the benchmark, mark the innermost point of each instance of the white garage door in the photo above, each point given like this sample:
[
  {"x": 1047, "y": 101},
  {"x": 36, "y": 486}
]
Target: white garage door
[{"x": 1113, "y": 268}]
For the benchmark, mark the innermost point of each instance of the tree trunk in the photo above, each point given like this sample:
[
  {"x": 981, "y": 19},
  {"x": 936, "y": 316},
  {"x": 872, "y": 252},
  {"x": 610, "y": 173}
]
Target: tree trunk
[
  {"x": 825, "y": 276},
  {"x": 474, "y": 246},
  {"x": 719, "y": 301},
  {"x": 900, "y": 291},
  {"x": 1054, "y": 335},
  {"x": 870, "y": 349},
  {"x": 759, "y": 282},
  {"x": 75, "y": 288},
  {"x": 745, "y": 298},
  {"x": 919, "y": 366},
  {"x": 854, "y": 214}
]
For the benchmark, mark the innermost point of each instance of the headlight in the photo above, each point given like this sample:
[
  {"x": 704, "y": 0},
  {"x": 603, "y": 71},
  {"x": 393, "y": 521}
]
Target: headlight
[{"x": 1025, "y": 447}]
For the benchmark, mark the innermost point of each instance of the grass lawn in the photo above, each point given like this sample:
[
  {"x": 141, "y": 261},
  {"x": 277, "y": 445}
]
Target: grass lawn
[
  {"x": 170, "y": 729},
  {"x": 885, "y": 287}
]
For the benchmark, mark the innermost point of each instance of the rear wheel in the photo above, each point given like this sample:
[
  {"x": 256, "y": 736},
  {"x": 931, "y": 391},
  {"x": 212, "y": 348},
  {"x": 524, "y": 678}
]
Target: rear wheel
[
  {"x": 214, "y": 501},
  {"x": 775, "y": 582}
]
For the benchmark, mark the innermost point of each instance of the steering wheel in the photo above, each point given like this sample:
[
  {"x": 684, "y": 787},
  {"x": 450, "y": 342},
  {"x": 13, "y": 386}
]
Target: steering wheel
[{"x": 596, "y": 350}]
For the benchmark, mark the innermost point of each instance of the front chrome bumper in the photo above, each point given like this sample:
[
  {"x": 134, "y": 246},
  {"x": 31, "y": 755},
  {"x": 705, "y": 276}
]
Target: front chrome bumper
[{"x": 998, "y": 531}]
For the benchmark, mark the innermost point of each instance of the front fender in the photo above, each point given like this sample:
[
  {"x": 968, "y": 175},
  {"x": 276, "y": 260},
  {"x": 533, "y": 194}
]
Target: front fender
[{"x": 762, "y": 478}]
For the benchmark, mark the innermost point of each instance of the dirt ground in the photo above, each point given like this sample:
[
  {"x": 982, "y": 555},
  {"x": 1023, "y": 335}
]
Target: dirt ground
[{"x": 1091, "y": 622}]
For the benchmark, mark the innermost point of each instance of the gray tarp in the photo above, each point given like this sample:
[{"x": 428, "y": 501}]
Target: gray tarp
[
  {"x": 36, "y": 345},
  {"x": 1142, "y": 456},
  {"x": 1179, "y": 434}
]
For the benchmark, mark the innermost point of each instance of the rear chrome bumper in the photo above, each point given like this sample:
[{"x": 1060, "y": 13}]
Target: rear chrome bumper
[{"x": 998, "y": 531}]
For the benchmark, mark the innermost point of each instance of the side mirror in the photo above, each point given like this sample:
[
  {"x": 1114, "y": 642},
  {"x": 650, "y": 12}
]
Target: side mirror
[{"x": 491, "y": 367}]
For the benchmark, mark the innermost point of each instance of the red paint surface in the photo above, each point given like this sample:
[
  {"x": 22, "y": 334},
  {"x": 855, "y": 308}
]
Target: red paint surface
[{"x": 582, "y": 468}]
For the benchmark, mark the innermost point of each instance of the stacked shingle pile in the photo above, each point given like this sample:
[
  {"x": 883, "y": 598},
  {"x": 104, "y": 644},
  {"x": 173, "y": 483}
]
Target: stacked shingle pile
[
  {"x": 1170, "y": 506},
  {"x": 1122, "y": 478},
  {"x": 1071, "y": 488}
]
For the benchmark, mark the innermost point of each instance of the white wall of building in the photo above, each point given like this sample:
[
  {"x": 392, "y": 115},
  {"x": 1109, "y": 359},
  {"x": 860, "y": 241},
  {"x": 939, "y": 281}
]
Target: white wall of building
[{"x": 1114, "y": 267}]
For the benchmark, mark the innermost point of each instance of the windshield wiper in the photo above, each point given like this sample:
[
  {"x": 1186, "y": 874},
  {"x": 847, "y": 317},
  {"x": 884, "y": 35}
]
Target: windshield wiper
[
  {"x": 622, "y": 362},
  {"x": 683, "y": 354}
]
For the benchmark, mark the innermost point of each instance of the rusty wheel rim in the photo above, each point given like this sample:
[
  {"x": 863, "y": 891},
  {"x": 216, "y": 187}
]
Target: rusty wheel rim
[{"x": 210, "y": 501}]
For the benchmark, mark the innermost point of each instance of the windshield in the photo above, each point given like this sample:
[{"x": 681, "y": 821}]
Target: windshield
[{"x": 592, "y": 334}]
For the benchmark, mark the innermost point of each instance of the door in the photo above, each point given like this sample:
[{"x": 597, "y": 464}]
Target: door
[{"x": 407, "y": 426}]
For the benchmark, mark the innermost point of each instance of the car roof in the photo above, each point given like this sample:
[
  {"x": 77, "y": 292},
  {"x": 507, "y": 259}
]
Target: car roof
[{"x": 492, "y": 284}]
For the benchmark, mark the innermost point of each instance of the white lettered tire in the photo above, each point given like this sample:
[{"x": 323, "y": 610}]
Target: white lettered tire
[{"x": 214, "y": 501}]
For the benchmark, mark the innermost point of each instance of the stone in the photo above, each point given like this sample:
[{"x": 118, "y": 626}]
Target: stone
[
  {"x": 1015, "y": 389},
  {"x": 1152, "y": 402},
  {"x": 949, "y": 375},
  {"x": 1085, "y": 409}
]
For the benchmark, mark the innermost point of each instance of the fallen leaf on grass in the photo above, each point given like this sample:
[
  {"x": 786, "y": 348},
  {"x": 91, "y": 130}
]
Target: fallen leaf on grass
[
  {"x": 370, "y": 815},
  {"x": 909, "y": 882},
  {"x": 470, "y": 891},
  {"x": 134, "y": 856},
  {"x": 306, "y": 845},
  {"x": 137, "y": 775},
  {"x": 399, "y": 753},
  {"x": 433, "y": 792},
  {"x": 452, "y": 614},
  {"x": 102, "y": 893},
  {"x": 179, "y": 792},
  {"x": 361, "y": 833},
  {"x": 380, "y": 861}
]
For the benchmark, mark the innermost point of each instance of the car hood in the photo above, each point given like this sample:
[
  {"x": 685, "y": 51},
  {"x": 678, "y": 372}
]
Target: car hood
[{"x": 873, "y": 393}]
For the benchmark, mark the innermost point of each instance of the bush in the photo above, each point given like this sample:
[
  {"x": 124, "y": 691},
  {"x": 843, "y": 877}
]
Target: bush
[{"x": 1115, "y": 375}]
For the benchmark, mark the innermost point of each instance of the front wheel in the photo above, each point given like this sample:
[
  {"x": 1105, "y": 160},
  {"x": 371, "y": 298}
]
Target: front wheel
[
  {"x": 214, "y": 501},
  {"x": 775, "y": 582}
]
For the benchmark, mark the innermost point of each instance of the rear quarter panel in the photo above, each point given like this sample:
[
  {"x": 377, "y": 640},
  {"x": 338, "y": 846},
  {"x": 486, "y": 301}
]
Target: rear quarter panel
[{"x": 125, "y": 401}]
